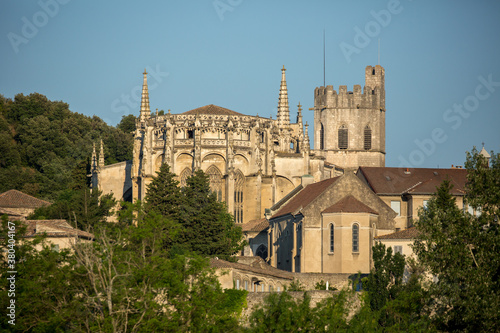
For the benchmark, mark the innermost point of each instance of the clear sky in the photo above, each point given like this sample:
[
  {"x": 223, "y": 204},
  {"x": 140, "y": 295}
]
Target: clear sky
[{"x": 441, "y": 61}]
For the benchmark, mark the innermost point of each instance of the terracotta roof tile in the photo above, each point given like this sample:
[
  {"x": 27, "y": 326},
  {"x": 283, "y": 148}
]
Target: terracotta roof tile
[
  {"x": 385, "y": 180},
  {"x": 305, "y": 197},
  {"x": 409, "y": 233},
  {"x": 18, "y": 199},
  {"x": 255, "y": 225},
  {"x": 213, "y": 109},
  {"x": 269, "y": 270},
  {"x": 349, "y": 204},
  {"x": 54, "y": 228}
]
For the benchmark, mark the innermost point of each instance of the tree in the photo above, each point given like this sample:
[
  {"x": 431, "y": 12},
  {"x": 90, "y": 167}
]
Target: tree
[
  {"x": 127, "y": 124},
  {"x": 386, "y": 277},
  {"x": 208, "y": 229},
  {"x": 163, "y": 194},
  {"x": 462, "y": 251}
]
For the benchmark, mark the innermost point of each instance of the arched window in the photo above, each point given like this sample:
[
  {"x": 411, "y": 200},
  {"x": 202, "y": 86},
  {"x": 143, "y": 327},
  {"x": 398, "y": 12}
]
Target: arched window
[
  {"x": 261, "y": 251},
  {"x": 343, "y": 137},
  {"x": 239, "y": 184},
  {"x": 355, "y": 238},
  {"x": 215, "y": 178},
  {"x": 185, "y": 174},
  {"x": 368, "y": 138},
  {"x": 332, "y": 238},
  {"x": 322, "y": 137}
]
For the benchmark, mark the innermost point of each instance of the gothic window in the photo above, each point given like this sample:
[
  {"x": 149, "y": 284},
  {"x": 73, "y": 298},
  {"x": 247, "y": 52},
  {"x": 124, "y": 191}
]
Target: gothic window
[
  {"x": 238, "y": 197},
  {"x": 190, "y": 134},
  {"x": 322, "y": 137},
  {"x": 355, "y": 238},
  {"x": 215, "y": 178},
  {"x": 332, "y": 236},
  {"x": 261, "y": 251},
  {"x": 185, "y": 174},
  {"x": 368, "y": 138},
  {"x": 343, "y": 137}
]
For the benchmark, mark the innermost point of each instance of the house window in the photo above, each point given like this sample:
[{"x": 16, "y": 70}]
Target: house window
[
  {"x": 238, "y": 197},
  {"x": 425, "y": 203},
  {"x": 368, "y": 138},
  {"x": 396, "y": 206},
  {"x": 55, "y": 247},
  {"x": 238, "y": 284},
  {"x": 355, "y": 238},
  {"x": 343, "y": 137},
  {"x": 246, "y": 285},
  {"x": 322, "y": 137},
  {"x": 398, "y": 249},
  {"x": 332, "y": 236}
]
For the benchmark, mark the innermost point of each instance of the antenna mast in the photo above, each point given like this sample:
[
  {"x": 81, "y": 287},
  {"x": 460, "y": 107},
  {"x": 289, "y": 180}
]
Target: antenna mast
[{"x": 324, "y": 61}]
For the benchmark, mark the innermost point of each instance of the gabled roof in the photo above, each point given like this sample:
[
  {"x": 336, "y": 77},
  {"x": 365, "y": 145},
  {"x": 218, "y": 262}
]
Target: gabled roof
[
  {"x": 349, "y": 204},
  {"x": 409, "y": 233},
  {"x": 18, "y": 199},
  {"x": 213, "y": 109},
  {"x": 255, "y": 225},
  {"x": 54, "y": 228},
  {"x": 396, "y": 181},
  {"x": 268, "y": 270},
  {"x": 305, "y": 197}
]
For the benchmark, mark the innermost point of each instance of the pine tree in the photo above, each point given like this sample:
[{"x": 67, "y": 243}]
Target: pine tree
[
  {"x": 208, "y": 228},
  {"x": 163, "y": 194}
]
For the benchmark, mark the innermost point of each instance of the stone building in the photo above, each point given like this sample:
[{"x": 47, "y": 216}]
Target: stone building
[
  {"x": 349, "y": 126},
  {"x": 253, "y": 162},
  {"x": 18, "y": 205},
  {"x": 328, "y": 227}
]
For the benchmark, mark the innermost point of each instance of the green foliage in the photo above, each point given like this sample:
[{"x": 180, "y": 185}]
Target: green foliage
[
  {"x": 282, "y": 313},
  {"x": 41, "y": 141},
  {"x": 462, "y": 251},
  {"x": 206, "y": 228},
  {"x": 321, "y": 285},
  {"x": 385, "y": 278},
  {"x": 127, "y": 124},
  {"x": 295, "y": 285}
]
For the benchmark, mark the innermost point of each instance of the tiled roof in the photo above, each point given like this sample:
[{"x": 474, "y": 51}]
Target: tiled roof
[
  {"x": 385, "y": 180},
  {"x": 18, "y": 199},
  {"x": 255, "y": 225},
  {"x": 409, "y": 233},
  {"x": 213, "y": 109},
  {"x": 54, "y": 228},
  {"x": 305, "y": 197},
  {"x": 269, "y": 270},
  {"x": 349, "y": 204},
  {"x": 9, "y": 212}
]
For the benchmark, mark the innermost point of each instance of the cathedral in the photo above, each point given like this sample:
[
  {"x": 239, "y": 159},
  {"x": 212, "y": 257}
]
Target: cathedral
[{"x": 254, "y": 162}]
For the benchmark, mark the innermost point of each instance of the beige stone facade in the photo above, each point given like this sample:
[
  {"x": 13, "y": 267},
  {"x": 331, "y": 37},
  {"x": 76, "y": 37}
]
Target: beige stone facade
[
  {"x": 328, "y": 227},
  {"x": 253, "y": 162},
  {"x": 349, "y": 126}
]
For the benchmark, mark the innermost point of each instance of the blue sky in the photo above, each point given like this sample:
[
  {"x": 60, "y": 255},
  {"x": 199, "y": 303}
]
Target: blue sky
[{"x": 441, "y": 60}]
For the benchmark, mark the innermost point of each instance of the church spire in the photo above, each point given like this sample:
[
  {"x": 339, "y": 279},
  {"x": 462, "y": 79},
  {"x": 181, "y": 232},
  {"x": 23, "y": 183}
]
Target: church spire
[
  {"x": 145, "y": 111},
  {"x": 299, "y": 115},
  {"x": 101, "y": 156},
  {"x": 283, "y": 111},
  {"x": 306, "y": 137},
  {"x": 94, "y": 157}
]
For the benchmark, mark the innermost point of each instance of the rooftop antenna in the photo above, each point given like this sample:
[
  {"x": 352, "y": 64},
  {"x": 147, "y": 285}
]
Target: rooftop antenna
[
  {"x": 324, "y": 61},
  {"x": 379, "y": 51}
]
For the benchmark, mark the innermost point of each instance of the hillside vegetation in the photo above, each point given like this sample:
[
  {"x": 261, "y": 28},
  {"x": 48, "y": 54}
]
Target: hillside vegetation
[{"x": 43, "y": 143}]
